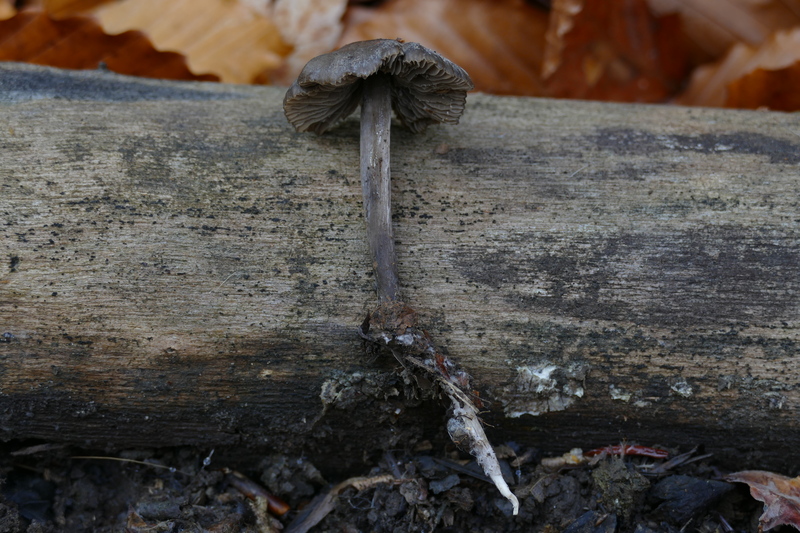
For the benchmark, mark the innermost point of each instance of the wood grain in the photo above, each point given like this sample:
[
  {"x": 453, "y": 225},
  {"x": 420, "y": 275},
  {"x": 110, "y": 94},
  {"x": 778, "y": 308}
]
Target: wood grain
[{"x": 180, "y": 267}]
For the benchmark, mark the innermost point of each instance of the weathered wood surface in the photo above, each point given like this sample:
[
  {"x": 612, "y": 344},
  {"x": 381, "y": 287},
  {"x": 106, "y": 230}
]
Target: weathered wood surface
[{"x": 180, "y": 267}]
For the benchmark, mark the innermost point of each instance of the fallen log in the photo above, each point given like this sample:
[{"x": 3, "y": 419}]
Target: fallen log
[{"x": 181, "y": 267}]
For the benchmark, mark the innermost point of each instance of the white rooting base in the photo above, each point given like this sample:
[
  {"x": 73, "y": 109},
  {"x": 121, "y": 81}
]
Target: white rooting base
[{"x": 394, "y": 325}]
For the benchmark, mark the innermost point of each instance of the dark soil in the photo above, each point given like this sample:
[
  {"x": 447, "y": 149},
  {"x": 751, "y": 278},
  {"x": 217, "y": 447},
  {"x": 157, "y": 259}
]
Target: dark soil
[{"x": 57, "y": 488}]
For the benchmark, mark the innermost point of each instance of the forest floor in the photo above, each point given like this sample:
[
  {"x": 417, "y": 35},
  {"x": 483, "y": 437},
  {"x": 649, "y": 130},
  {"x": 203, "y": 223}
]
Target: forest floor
[{"x": 48, "y": 487}]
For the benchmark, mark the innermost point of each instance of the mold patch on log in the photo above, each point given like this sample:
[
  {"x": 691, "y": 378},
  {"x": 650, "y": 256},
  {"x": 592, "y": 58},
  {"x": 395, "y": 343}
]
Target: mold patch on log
[
  {"x": 706, "y": 276},
  {"x": 628, "y": 141},
  {"x": 544, "y": 388}
]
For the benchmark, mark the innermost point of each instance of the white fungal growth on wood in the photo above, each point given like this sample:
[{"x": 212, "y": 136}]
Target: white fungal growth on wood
[
  {"x": 466, "y": 430},
  {"x": 682, "y": 388},
  {"x": 617, "y": 393},
  {"x": 544, "y": 388}
]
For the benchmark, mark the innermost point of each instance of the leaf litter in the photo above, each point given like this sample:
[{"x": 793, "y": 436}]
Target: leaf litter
[
  {"x": 780, "y": 494},
  {"x": 731, "y": 53},
  {"x": 624, "y": 488}
]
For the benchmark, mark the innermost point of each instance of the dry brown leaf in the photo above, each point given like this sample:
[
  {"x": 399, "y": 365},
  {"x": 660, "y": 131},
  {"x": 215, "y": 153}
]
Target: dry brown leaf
[
  {"x": 307, "y": 27},
  {"x": 225, "y": 37},
  {"x": 80, "y": 43},
  {"x": 311, "y": 27},
  {"x": 67, "y": 8},
  {"x": 709, "y": 85},
  {"x": 613, "y": 50},
  {"x": 780, "y": 494},
  {"x": 7, "y": 9},
  {"x": 500, "y": 43},
  {"x": 716, "y": 25},
  {"x": 770, "y": 89}
]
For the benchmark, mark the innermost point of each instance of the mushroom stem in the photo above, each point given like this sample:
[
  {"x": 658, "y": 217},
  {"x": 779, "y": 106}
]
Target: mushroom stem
[{"x": 376, "y": 123}]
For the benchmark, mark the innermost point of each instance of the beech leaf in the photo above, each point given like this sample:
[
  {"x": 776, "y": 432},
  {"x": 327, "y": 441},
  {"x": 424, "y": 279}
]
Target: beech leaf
[
  {"x": 499, "y": 42},
  {"x": 614, "y": 50},
  {"x": 80, "y": 43},
  {"x": 744, "y": 77},
  {"x": 780, "y": 494},
  {"x": 763, "y": 88},
  {"x": 716, "y": 25},
  {"x": 226, "y": 37}
]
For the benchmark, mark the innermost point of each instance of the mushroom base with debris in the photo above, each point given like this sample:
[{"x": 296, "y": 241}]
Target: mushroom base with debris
[{"x": 394, "y": 325}]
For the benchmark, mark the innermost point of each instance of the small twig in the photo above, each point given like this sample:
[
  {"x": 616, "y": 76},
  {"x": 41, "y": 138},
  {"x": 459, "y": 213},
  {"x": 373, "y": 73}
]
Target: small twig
[
  {"x": 678, "y": 460},
  {"x": 134, "y": 461},
  {"x": 726, "y": 527},
  {"x": 526, "y": 457},
  {"x": 38, "y": 448},
  {"x": 576, "y": 172},
  {"x": 224, "y": 281},
  {"x": 462, "y": 469},
  {"x": 325, "y": 502},
  {"x": 254, "y": 491}
]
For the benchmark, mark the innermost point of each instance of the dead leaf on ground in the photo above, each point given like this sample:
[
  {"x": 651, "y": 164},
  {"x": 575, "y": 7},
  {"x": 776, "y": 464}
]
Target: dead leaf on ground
[
  {"x": 615, "y": 50},
  {"x": 780, "y": 494},
  {"x": 80, "y": 43},
  {"x": 225, "y": 37},
  {"x": 715, "y": 25},
  {"x": 745, "y": 76},
  {"x": 499, "y": 42}
]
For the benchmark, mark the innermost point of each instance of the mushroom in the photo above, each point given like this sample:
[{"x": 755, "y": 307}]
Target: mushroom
[{"x": 423, "y": 88}]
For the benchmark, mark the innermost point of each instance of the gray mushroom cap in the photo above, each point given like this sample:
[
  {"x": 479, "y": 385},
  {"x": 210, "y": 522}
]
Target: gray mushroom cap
[{"x": 426, "y": 88}]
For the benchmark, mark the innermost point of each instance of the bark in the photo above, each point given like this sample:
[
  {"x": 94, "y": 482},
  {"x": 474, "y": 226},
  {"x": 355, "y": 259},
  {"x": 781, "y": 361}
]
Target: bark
[{"x": 180, "y": 267}]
